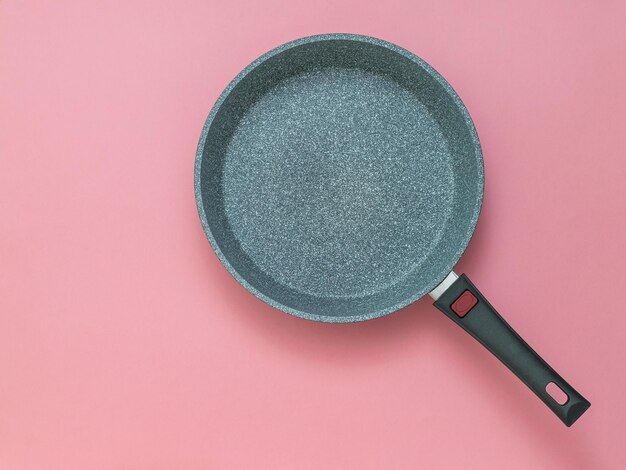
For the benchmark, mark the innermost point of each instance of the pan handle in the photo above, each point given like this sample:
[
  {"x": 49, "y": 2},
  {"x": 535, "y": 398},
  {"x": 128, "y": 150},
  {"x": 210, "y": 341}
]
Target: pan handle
[{"x": 463, "y": 303}]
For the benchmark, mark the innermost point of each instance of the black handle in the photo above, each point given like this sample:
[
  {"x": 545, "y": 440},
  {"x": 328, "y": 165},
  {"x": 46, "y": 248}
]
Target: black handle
[{"x": 467, "y": 307}]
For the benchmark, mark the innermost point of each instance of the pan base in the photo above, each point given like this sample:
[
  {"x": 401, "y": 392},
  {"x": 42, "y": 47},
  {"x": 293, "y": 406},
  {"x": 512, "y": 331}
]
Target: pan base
[{"x": 337, "y": 183}]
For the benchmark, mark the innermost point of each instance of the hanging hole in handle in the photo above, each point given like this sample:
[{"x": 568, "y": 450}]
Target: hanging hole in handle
[{"x": 557, "y": 393}]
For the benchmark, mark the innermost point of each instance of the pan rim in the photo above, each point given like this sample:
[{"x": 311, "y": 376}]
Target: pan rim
[{"x": 453, "y": 259}]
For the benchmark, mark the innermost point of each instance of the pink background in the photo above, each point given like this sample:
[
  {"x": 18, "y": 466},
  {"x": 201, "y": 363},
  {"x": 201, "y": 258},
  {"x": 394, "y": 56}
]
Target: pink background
[{"x": 124, "y": 344}]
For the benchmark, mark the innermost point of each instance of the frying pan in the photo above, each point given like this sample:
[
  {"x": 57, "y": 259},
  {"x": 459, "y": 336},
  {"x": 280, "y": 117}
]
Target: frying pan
[{"x": 340, "y": 178}]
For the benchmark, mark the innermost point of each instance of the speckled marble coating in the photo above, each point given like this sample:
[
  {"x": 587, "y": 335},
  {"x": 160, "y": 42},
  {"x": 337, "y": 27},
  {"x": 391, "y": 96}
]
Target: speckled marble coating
[{"x": 339, "y": 178}]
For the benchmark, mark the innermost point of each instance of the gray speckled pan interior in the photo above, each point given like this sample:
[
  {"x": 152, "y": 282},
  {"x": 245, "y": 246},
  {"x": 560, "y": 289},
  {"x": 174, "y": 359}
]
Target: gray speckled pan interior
[{"x": 339, "y": 178}]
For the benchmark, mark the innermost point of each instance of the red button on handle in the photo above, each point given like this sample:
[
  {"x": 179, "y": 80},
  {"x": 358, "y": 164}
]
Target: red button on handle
[{"x": 464, "y": 303}]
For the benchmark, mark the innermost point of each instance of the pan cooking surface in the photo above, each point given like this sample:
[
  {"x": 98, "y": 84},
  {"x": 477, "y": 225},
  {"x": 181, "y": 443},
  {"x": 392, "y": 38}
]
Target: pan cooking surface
[
  {"x": 336, "y": 183},
  {"x": 339, "y": 178}
]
